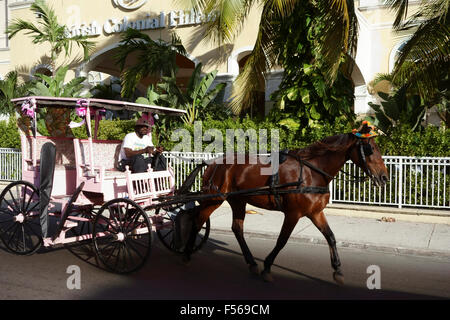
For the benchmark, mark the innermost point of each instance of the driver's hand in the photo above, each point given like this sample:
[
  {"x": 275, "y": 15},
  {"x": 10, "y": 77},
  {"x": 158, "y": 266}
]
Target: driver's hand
[
  {"x": 159, "y": 149},
  {"x": 149, "y": 150}
]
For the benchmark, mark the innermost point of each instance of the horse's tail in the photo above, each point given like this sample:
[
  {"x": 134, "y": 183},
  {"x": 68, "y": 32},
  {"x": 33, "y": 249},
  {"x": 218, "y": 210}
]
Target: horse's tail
[{"x": 187, "y": 184}]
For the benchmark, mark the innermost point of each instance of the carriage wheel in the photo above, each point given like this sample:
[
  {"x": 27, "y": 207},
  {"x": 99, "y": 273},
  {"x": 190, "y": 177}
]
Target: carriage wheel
[
  {"x": 122, "y": 235},
  {"x": 20, "y": 228},
  {"x": 166, "y": 234}
]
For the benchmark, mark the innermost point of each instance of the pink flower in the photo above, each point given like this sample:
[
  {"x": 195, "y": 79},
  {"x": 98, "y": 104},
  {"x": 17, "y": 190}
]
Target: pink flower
[{"x": 28, "y": 107}]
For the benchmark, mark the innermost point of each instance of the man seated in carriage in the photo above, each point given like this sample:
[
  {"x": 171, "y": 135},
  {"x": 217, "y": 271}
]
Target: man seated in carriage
[{"x": 137, "y": 144}]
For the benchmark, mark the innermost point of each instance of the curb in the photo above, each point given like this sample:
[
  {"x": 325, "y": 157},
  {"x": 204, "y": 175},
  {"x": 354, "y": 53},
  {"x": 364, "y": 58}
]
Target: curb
[
  {"x": 391, "y": 210},
  {"x": 347, "y": 244}
]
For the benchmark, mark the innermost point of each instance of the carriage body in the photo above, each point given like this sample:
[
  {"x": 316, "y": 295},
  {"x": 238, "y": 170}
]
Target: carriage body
[{"x": 84, "y": 176}]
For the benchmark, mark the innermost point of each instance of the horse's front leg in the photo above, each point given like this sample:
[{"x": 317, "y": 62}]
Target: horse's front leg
[
  {"x": 290, "y": 220},
  {"x": 321, "y": 223}
]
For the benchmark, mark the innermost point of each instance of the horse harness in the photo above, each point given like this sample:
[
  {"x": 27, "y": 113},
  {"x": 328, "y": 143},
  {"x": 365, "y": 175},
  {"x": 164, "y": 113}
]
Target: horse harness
[
  {"x": 365, "y": 150},
  {"x": 273, "y": 188}
]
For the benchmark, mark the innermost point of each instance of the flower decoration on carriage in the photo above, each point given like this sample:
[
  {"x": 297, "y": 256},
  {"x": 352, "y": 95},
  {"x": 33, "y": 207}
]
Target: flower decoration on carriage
[
  {"x": 29, "y": 107},
  {"x": 81, "y": 111},
  {"x": 365, "y": 131}
]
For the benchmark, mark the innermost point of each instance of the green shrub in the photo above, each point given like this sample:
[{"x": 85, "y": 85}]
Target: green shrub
[
  {"x": 431, "y": 141},
  {"x": 9, "y": 134}
]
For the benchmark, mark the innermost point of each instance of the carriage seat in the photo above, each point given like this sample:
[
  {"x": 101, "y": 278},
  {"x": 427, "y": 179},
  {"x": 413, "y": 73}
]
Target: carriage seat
[
  {"x": 65, "y": 158},
  {"x": 105, "y": 155}
]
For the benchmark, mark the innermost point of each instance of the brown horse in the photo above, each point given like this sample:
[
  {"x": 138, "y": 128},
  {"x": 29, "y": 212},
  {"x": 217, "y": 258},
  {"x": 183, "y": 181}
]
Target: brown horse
[{"x": 314, "y": 166}]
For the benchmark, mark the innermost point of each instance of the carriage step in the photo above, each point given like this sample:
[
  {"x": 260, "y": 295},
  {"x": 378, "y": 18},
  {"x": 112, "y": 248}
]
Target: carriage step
[{"x": 69, "y": 224}]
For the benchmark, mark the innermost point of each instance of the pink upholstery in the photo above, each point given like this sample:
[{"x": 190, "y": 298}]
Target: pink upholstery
[
  {"x": 65, "y": 157},
  {"x": 106, "y": 153}
]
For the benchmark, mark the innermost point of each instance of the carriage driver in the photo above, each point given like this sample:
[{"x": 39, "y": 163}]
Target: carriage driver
[{"x": 135, "y": 145}]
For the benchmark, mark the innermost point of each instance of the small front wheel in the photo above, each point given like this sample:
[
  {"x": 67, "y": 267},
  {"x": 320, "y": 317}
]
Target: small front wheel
[
  {"x": 166, "y": 231},
  {"x": 122, "y": 236}
]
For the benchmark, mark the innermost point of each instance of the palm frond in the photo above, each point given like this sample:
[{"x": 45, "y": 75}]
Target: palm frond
[
  {"x": 424, "y": 55},
  {"x": 401, "y": 11},
  {"x": 341, "y": 34},
  {"x": 263, "y": 57},
  {"x": 18, "y": 25}
]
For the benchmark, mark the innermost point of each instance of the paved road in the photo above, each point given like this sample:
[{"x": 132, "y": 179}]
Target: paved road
[{"x": 302, "y": 271}]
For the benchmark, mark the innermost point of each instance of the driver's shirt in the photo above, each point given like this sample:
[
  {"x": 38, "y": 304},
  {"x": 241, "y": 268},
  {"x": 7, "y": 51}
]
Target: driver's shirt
[{"x": 133, "y": 142}]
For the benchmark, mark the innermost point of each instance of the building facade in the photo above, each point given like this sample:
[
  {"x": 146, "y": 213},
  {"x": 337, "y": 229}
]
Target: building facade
[{"x": 105, "y": 20}]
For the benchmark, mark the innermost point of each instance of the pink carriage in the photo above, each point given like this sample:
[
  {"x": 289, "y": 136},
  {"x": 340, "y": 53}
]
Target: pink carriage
[{"x": 77, "y": 183}]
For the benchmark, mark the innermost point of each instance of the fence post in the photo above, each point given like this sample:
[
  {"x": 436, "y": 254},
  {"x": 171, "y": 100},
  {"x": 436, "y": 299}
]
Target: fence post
[{"x": 400, "y": 183}]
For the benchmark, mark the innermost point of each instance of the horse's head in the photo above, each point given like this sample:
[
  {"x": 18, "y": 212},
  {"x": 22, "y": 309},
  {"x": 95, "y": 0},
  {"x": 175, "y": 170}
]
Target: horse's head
[{"x": 366, "y": 154}]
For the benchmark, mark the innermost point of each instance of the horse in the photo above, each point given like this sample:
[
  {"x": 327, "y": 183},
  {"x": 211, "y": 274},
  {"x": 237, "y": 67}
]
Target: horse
[{"x": 314, "y": 166}]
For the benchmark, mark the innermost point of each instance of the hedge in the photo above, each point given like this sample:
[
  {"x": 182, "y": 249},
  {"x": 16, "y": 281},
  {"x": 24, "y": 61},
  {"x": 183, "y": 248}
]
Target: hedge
[{"x": 431, "y": 141}]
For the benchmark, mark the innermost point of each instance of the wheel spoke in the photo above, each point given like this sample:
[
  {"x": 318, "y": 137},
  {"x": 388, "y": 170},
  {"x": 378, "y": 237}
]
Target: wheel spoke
[
  {"x": 32, "y": 230},
  {"x": 109, "y": 224},
  {"x": 14, "y": 200},
  {"x": 135, "y": 224},
  {"x": 34, "y": 206},
  {"x": 23, "y": 238},
  {"x": 135, "y": 250},
  {"x": 13, "y": 234},
  {"x": 109, "y": 257},
  {"x": 11, "y": 206},
  {"x": 118, "y": 254},
  {"x": 29, "y": 201}
]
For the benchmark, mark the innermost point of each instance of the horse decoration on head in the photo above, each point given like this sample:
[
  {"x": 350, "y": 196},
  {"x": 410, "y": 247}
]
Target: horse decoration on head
[{"x": 302, "y": 178}]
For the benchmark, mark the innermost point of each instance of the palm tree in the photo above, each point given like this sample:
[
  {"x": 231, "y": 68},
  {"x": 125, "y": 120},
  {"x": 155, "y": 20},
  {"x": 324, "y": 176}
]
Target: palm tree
[
  {"x": 48, "y": 30},
  {"x": 154, "y": 58},
  {"x": 10, "y": 88},
  {"x": 339, "y": 40},
  {"x": 424, "y": 60}
]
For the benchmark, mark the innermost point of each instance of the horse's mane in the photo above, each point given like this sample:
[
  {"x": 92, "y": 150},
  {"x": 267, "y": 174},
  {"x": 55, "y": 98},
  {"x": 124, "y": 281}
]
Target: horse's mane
[{"x": 329, "y": 144}]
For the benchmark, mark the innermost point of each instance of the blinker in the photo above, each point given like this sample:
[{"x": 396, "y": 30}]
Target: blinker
[{"x": 368, "y": 150}]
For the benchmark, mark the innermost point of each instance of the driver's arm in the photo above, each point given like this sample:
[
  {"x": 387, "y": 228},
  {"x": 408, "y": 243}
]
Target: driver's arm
[{"x": 131, "y": 153}]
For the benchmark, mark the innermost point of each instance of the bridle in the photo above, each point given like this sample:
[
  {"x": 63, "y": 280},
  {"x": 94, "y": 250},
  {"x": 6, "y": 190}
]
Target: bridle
[{"x": 364, "y": 150}]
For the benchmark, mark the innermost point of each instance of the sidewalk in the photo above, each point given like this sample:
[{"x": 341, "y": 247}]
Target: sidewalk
[{"x": 427, "y": 235}]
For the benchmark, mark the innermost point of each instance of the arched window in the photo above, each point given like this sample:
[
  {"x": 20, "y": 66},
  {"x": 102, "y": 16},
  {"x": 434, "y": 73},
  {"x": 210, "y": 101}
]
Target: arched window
[
  {"x": 44, "y": 69},
  {"x": 395, "y": 52},
  {"x": 94, "y": 78}
]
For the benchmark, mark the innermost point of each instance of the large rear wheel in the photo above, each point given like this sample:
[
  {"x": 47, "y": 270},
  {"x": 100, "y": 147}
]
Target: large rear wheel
[
  {"x": 122, "y": 236},
  {"x": 20, "y": 228}
]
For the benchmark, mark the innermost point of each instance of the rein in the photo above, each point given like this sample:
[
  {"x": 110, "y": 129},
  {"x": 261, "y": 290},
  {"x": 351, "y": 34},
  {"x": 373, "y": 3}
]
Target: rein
[{"x": 362, "y": 153}]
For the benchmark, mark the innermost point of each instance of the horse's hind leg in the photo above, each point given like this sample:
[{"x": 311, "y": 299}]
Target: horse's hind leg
[
  {"x": 290, "y": 220},
  {"x": 321, "y": 223},
  {"x": 237, "y": 227}
]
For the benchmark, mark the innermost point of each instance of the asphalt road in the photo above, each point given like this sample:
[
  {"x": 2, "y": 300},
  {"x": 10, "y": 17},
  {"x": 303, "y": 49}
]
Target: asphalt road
[{"x": 218, "y": 271}]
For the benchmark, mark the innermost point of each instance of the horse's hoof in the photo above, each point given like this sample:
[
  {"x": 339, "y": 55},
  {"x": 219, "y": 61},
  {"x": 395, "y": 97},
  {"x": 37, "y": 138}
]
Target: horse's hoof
[
  {"x": 338, "y": 277},
  {"x": 267, "y": 276},
  {"x": 254, "y": 269}
]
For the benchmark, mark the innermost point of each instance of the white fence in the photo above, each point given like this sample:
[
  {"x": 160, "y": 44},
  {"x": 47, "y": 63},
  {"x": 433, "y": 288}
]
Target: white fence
[
  {"x": 413, "y": 182},
  {"x": 10, "y": 164}
]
